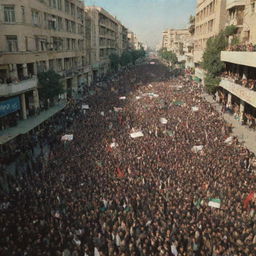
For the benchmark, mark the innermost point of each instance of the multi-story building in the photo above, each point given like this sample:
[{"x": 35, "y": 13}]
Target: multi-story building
[
  {"x": 133, "y": 42},
  {"x": 178, "y": 41},
  {"x": 210, "y": 19},
  {"x": 238, "y": 83},
  {"x": 38, "y": 35},
  {"x": 108, "y": 36},
  {"x": 123, "y": 39}
]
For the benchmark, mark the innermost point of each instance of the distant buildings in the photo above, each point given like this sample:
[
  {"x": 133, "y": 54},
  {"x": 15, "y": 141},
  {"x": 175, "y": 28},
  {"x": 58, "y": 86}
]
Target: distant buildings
[
  {"x": 177, "y": 41},
  {"x": 133, "y": 42},
  {"x": 108, "y": 36}
]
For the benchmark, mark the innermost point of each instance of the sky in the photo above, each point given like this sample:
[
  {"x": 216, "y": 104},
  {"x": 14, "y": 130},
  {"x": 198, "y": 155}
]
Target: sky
[{"x": 149, "y": 18}]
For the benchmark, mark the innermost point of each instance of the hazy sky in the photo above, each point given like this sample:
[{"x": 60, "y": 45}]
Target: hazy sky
[{"x": 149, "y": 18}]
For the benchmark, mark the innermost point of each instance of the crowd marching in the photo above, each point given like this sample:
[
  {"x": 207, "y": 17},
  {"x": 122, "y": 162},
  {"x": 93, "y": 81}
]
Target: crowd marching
[{"x": 151, "y": 169}]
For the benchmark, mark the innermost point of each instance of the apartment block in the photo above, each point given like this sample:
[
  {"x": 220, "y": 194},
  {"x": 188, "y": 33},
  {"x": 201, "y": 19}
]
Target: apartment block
[
  {"x": 210, "y": 19},
  {"x": 178, "y": 41},
  {"x": 133, "y": 42},
  {"x": 38, "y": 35},
  {"x": 238, "y": 82},
  {"x": 108, "y": 36}
]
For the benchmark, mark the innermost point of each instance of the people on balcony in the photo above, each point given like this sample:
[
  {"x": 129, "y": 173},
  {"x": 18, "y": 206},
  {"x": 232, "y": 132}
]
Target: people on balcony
[{"x": 243, "y": 81}]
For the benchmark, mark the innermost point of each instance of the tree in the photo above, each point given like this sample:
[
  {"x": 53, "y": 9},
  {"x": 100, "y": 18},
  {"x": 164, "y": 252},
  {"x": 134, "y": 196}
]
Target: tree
[
  {"x": 211, "y": 83},
  {"x": 114, "y": 61},
  {"x": 50, "y": 85},
  {"x": 168, "y": 55},
  {"x": 230, "y": 30},
  {"x": 211, "y": 60},
  {"x": 136, "y": 54},
  {"x": 126, "y": 58},
  {"x": 191, "y": 28}
]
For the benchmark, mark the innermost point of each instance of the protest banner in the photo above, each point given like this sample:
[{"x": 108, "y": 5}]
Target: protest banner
[
  {"x": 163, "y": 120},
  {"x": 196, "y": 149},
  {"x": 85, "y": 106},
  {"x": 67, "y": 137},
  {"x": 136, "y": 134},
  {"x": 214, "y": 202}
]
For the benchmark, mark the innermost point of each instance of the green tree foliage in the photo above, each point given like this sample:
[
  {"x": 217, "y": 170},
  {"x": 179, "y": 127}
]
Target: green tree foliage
[
  {"x": 136, "y": 54},
  {"x": 191, "y": 25},
  {"x": 230, "y": 30},
  {"x": 211, "y": 83},
  {"x": 211, "y": 59},
  {"x": 50, "y": 85},
  {"x": 168, "y": 56},
  {"x": 235, "y": 41},
  {"x": 114, "y": 61},
  {"x": 131, "y": 56},
  {"x": 126, "y": 58}
]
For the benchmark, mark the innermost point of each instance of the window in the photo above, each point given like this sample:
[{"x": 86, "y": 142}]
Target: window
[
  {"x": 59, "y": 64},
  {"x": 67, "y": 6},
  {"x": 60, "y": 25},
  {"x": 252, "y": 7},
  {"x": 9, "y": 14},
  {"x": 35, "y": 18},
  {"x": 73, "y": 10},
  {"x": 73, "y": 27},
  {"x": 23, "y": 13},
  {"x": 12, "y": 43},
  {"x": 40, "y": 43},
  {"x": 52, "y": 22},
  {"x": 59, "y": 3}
]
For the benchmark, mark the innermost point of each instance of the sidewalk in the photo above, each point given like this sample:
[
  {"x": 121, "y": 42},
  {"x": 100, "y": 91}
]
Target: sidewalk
[
  {"x": 245, "y": 135},
  {"x": 25, "y": 126}
]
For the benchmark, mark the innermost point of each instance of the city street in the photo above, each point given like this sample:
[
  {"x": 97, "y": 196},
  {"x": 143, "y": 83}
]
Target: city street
[{"x": 151, "y": 169}]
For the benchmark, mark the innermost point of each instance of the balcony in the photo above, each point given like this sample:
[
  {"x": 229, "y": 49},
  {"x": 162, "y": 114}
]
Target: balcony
[
  {"x": 18, "y": 88},
  {"x": 234, "y": 3},
  {"x": 241, "y": 92},
  {"x": 240, "y": 58}
]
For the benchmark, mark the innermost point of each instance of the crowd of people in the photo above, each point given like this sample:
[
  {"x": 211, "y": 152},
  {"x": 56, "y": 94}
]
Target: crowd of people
[
  {"x": 236, "y": 78},
  {"x": 183, "y": 186},
  {"x": 249, "y": 47}
]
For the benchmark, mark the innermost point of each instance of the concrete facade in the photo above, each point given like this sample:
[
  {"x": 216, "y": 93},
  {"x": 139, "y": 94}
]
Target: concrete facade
[
  {"x": 210, "y": 19},
  {"x": 239, "y": 80},
  {"x": 249, "y": 24},
  {"x": 38, "y": 35},
  {"x": 108, "y": 36}
]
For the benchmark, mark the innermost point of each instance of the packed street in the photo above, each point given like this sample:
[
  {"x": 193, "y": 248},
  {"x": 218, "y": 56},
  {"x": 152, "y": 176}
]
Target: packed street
[{"x": 147, "y": 167}]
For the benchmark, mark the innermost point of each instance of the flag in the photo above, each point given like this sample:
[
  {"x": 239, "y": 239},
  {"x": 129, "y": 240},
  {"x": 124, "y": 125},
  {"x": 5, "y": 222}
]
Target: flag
[
  {"x": 99, "y": 163},
  {"x": 120, "y": 174},
  {"x": 248, "y": 199}
]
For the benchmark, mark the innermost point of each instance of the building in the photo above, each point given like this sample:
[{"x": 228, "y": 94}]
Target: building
[
  {"x": 210, "y": 19},
  {"x": 108, "y": 36},
  {"x": 238, "y": 83},
  {"x": 123, "y": 43},
  {"x": 38, "y": 35},
  {"x": 133, "y": 42},
  {"x": 177, "y": 41}
]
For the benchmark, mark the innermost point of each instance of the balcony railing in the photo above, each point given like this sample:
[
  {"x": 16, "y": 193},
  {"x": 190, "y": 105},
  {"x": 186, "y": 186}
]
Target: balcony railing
[
  {"x": 17, "y": 88},
  {"x": 241, "y": 92}
]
